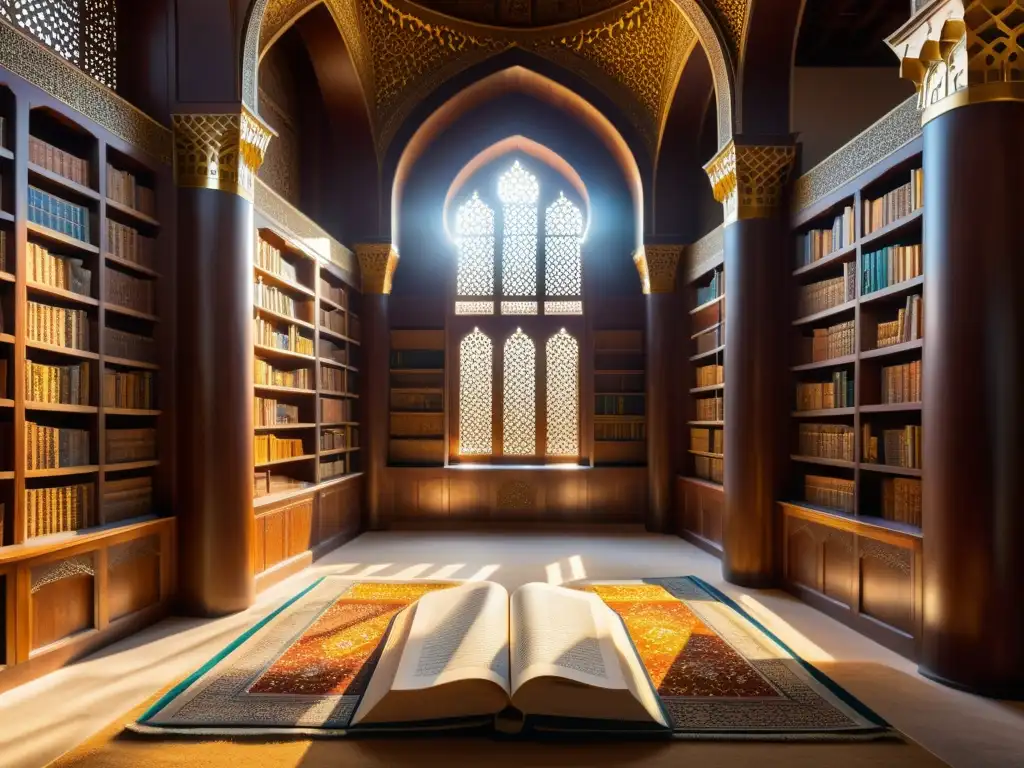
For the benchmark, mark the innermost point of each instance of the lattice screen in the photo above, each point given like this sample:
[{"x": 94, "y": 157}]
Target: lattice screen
[
  {"x": 518, "y": 190},
  {"x": 520, "y": 429},
  {"x": 563, "y": 234},
  {"x": 563, "y": 354},
  {"x": 474, "y": 236},
  {"x": 475, "y": 354},
  {"x": 82, "y": 31}
]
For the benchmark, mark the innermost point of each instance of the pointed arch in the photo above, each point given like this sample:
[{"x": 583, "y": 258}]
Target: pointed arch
[
  {"x": 474, "y": 238},
  {"x": 518, "y": 191},
  {"x": 562, "y": 353},
  {"x": 475, "y": 408},
  {"x": 519, "y": 396},
  {"x": 563, "y": 241}
]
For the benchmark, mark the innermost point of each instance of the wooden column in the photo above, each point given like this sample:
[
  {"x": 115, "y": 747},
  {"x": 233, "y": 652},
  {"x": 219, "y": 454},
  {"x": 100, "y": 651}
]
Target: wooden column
[
  {"x": 973, "y": 363},
  {"x": 657, "y": 265},
  {"x": 748, "y": 180},
  {"x": 216, "y": 158},
  {"x": 377, "y": 263}
]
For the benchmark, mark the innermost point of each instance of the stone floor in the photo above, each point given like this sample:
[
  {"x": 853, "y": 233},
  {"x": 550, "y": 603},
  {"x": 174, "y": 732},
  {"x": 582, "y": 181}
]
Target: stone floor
[{"x": 45, "y": 718}]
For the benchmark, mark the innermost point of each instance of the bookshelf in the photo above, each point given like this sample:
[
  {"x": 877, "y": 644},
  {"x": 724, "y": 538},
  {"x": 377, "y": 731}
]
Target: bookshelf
[
  {"x": 703, "y": 451},
  {"x": 86, "y": 334},
  {"x": 620, "y": 398},
  {"x": 855, "y": 479},
  {"x": 416, "y": 418}
]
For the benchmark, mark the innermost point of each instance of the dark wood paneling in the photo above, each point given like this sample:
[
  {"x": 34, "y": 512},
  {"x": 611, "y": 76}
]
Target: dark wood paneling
[
  {"x": 300, "y": 527},
  {"x": 62, "y": 608},
  {"x": 887, "y": 584},
  {"x": 698, "y": 513},
  {"x": 275, "y": 547},
  {"x": 132, "y": 585}
]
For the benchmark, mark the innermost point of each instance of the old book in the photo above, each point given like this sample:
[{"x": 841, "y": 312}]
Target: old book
[{"x": 561, "y": 658}]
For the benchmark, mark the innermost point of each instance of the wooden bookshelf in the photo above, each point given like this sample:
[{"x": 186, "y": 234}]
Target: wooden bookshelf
[
  {"x": 620, "y": 398},
  {"x": 417, "y": 427},
  {"x": 699, "y": 486},
  {"x": 836, "y": 520},
  {"x": 65, "y": 261}
]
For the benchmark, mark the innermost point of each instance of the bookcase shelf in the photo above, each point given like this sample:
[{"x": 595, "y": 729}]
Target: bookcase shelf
[
  {"x": 898, "y": 291},
  {"x": 60, "y": 293},
  {"x": 832, "y": 362},
  {"x": 60, "y": 239},
  {"x": 38, "y": 172},
  {"x": 68, "y": 351},
  {"x": 125, "y": 362},
  {"x": 117, "y": 309},
  {"x": 114, "y": 207},
  {"x": 840, "y": 309},
  {"x": 85, "y": 469},
  {"x": 823, "y": 412},
  {"x": 709, "y": 353},
  {"x": 418, "y": 425},
  {"x": 61, "y": 407},
  {"x": 894, "y": 349},
  {"x": 131, "y": 266},
  {"x": 619, "y": 416}
]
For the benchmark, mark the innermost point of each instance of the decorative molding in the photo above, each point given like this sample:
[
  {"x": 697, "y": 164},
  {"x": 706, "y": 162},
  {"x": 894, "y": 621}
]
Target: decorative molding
[
  {"x": 961, "y": 52},
  {"x": 81, "y": 565},
  {"x": 657, "y": 266},
  {"x": 251, "y": 54},
  {"x": 47, "y": 70},
  {"x": 304, "y": 230},
  {"x": 377, "y": 265},
  {"x": 220, "y": 151},
  {"x": 748, "y": 179},
  {"x": 127, "y": 551},
  {"x": 897, "y": 558},
  {"x": 705, "y": 254},
  {"x": 893, "y": 131}
]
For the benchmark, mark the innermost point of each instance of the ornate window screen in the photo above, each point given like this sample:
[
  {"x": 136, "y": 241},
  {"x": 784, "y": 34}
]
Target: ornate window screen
[
  {"x": 518, "y": 191},
  {"x": 82, "y": 31},
  {"x": 475, "y": 410},
  {"x": 563, "y": 362},
  {"x": 520, "y": 406},
  {"x": 563, "y": 235},
  {"x": 474, "y": 236}
]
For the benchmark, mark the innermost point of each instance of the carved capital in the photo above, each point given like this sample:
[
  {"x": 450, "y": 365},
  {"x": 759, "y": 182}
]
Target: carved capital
[
  {"x": 657, "y": 266},
  {"x": 220, "y": 151},
  {"x": 960, "y": 52},
  {"x": 377, "y": 264},
  {"x": 748, "y": 180}
]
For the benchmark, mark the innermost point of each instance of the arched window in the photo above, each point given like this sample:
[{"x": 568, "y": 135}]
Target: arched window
[
  {"x": 82, "y": 31},
  {"x": 528, "y": 297}
]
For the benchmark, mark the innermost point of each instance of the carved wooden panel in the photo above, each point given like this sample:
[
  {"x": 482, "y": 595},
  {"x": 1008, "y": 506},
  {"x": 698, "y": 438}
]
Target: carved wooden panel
[
  {"x": 62, "y": 600},
  {"x": 341, "y": 509},
  {"x": 300, "y": 527},
  {"x": 887, "y": 584},
  {"x": 840, "y": 566},
  {"x": 803, "y": 554},
  {"x": 712, "y": 502},
  {"x": 133, "y": 576},
  {"x": 274, "y": 550},
  {"x": 259, "y": 561}
]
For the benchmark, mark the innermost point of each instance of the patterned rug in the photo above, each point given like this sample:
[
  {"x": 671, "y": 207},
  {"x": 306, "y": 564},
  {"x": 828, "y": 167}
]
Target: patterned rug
[{"x": 720, "y": 674}]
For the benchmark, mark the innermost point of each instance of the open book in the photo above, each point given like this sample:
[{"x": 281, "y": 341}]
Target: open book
[{"x": 548, "y": 656}]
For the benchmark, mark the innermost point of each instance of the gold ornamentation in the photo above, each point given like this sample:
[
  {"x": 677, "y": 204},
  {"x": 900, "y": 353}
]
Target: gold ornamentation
[
  {"x": 748, "y": 180},
  {"x": 883, "y": 138},
  {"x": 377, "y": 264},
  {"x": 732, "y": 17},
  {"x": 251, "y": 53},
  {"x": 960, "y": 52},
  {"x": 220, "y": 151},
  {"x": 303, "y": 229},
  {"x": 705, "y": 254},
  {"x": 80, "y": 565},
  {"x": 657, "y": 266},
  {"x": 33, "y": 61}
]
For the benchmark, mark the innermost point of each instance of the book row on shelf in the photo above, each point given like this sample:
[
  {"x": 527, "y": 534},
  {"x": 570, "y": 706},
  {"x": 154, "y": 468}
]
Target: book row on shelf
[
  {"x": 58, "y": 214},
  {"x": 272, "y": 298},
  {"x": 335, "y": 411},
  {"x": 908, "y": 325},
  {"x": 901, "y": 383},
  {"x": 710, "y": 375},
  {"x": 411, "y": 401},
  {"x": 333, "y": 293},
  {"x": 129, "y": 292},
  {"x": 332, "y": 379},
  {"x": 124, "y": 445},
  {"x": 417, "y": 358},
  {"x": 272, "y": 260},
  {"x": 899, "y": 447},
  {"x": 58, "y": 326},
  {"x": 128, "y": 389},
  {"x": 618, "y": 405},
  {"x": 901, "y": 500},
  {"x": 333, "y": 321},
  {"x": 894, "y": 205},
  {"x": 60, "y": 509},
  {"x": 127, "y": 498},
  {"x": 267, "y": 335},
  {"x": 123, "y": 188},
  {"x": 269, "y": 376},
  {"x": 267, "y": 412},
  {"x": 712, "y": 290},
  {"x": 130, "y": 346},
  {"x": 267, "y": 448},
  {"x": 707, "y": 440},
  {"x": 628, "y": 431},
  {"x": 825, "y": 294},
  {"x": 822, "y": 395},
  {"x": 59, "y": 384},
  {"x": 826, "y": 441},
  {"x": 58, "y": 161},
  {"x": 58, "y": 271},
  {"x": 266, "y": 483},
  {"x": 713, "y": 338},
  {"x": 125, "y": 243},
  {"x": 708, "y": 468},
  {"x": 889, "y": 266},
  {"x": 332, "y": 351},
  {"x": 332, "y": 439},
  {"x": 832, "y": 492},
  {"x": 828, "y": 343},
  {"x": 816, "y": 244},
  {"x": 55, "y": 447},
  {"x": 332, "y": 469},
  {"x": 709, "y": 408}
]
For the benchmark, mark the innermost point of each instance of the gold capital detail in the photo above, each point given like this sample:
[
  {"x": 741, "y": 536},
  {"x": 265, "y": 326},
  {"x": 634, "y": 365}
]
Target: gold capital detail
[
  {"x": 960, "y": 52},
  {"x": 377, "y": 264},
  {"x": 220, "y": 151},
  {"x": 748, "y": 180},
  {"x": 657, "y": 266}
]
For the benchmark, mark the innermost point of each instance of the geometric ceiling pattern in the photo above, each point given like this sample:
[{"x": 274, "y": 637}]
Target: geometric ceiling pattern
[{"x": 634, "y": 51}]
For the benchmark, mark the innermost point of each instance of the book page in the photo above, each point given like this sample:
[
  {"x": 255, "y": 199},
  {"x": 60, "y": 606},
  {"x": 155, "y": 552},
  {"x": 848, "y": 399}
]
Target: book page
[{"x": 561, "y": 633}]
